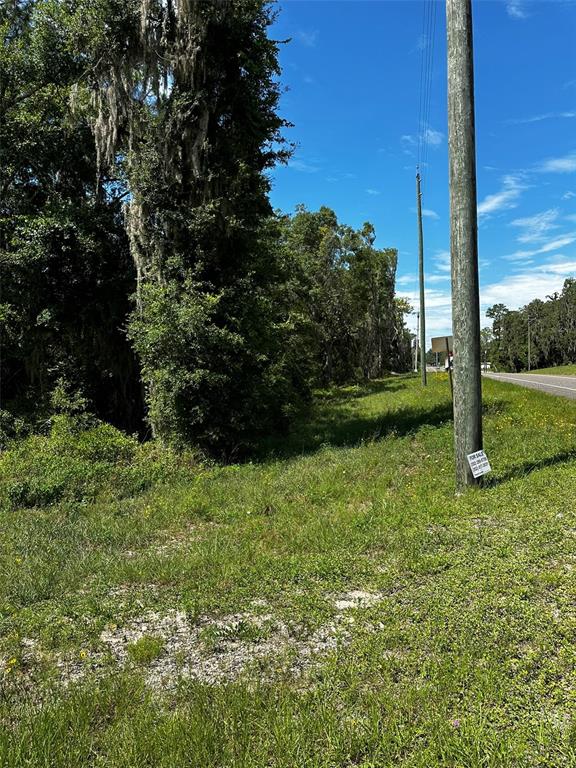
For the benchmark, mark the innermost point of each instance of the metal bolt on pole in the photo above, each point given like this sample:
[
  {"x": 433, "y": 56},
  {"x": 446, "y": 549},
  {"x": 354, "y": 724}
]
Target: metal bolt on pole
[{"x": 463, "y": 240}]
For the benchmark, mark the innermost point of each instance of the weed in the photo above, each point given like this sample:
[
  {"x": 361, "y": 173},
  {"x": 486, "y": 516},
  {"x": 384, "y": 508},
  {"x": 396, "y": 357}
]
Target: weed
[{"x": 146, "y": 649}]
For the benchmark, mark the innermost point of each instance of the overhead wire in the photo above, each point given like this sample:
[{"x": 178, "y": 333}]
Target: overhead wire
[
  {"x": 427, "y": 130},
  {"x": 427, "y": 44},
  {"x": 422, "y": 46}
]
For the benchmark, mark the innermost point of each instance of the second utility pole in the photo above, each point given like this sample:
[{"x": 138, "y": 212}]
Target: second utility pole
[
  {"x": 463, "y": 240},
  {"x": 421, "y": 279}
]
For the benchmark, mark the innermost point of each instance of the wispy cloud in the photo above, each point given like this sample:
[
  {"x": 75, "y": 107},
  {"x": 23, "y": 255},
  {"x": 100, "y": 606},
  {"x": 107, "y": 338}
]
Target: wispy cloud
[
  {"x": 442, "y": 261},
  {"x": 506, "y": 198},
  {"x": 539, "y": 118},
  {"x": 537, "y": 227},
  {"x": 571, "y": 217},
  {"x": 421, "y": 44},
  {"x": 568, "y": 195},
  {"x": 552, "y": 245},
  {"x": 307, "y": 37},
  {"x": 303, "y": 166},
  {"x": 566, "y": 164},
  {"x": 515, "y": 9},
  {"x": 429, "y": 213},
  {"x": 373, "y": 192},
  {"x": 429, "y": 136},
  {"x": 432, "y": 137}
]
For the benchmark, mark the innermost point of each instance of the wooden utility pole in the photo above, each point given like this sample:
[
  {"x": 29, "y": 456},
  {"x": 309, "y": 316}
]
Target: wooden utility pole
[
  {"x": 416, "y": 342},
  {"x": 463, "y": 240},
  {"x": 421, "y": 279},
  {"x": 528, "y": 343}
]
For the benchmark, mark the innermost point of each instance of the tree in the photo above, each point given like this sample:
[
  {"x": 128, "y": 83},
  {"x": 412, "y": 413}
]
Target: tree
[
  {"x": 551, "y": 325},
  {"x": 185, "y": 105},
  {"x": 66, "y": 271},
  {"x": 352, "y": 326}
]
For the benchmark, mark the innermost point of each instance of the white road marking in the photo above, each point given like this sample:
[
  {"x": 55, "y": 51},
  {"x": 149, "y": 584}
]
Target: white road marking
[
  {"x": 537, "y": 376},
  {"x": 541, "y": 383}
]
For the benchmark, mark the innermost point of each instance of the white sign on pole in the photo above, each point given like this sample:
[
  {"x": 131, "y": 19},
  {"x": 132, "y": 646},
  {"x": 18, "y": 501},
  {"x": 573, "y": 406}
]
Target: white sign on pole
[{"x": 479, "y": 463}]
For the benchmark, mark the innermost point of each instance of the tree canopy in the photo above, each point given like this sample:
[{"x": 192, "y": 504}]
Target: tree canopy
[{"x": 145, "y": 274}]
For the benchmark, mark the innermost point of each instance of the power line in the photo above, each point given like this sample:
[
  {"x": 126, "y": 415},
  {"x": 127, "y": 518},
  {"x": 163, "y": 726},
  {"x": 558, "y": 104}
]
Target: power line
[{"x": 428, "y": 85}]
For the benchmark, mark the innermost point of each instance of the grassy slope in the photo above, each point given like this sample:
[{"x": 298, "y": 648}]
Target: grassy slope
[
  {"x": 559, "y": 370},
  {"x": 467, "y": 660}
]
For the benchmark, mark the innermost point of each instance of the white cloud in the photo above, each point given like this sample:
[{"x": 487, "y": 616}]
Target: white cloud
[
  {"x": 307, "y": 38},
  {"x": 438, "y": 312},
  {"x": 421, "y": 43},
  {"x": 560, "y": 242},
  {"x": 442, "y": 261},
  {"x": 506, "y": 198},
  {"x": 373, "y": 192},
  {"x": 536, "y": 282},
  {"x": 515, "y": 9},
  {"x": 568, "y": 195},
  {"x": 516, "y": 290},
  {"x": 429, "y": 213},
  {"x": 552, "y": 245},
  {"x": 566, "y": 164},
  {"x": 539, "y": 118},
  {"x": 429, "y": 136},
  {"x": 301, "y": 165},
  {"x": 536, "y": 227},
  {"x": 432, "y": 137}
]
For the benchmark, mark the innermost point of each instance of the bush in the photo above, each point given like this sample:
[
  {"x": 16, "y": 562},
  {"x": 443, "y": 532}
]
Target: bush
[{"x": 80, "y": 462}]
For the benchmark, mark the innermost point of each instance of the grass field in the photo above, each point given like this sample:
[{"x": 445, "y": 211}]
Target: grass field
[
  {"x": 332, "y": 604},
  {"x": 559, "y": 370}
]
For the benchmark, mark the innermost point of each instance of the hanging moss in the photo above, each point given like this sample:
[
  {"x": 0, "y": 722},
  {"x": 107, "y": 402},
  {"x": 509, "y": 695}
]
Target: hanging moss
[{"x": 186, "y": 97}]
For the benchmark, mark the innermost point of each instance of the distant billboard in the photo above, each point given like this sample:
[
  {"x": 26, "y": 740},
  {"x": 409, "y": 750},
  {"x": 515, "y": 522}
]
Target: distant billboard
[{"x": 439, "y": 343}]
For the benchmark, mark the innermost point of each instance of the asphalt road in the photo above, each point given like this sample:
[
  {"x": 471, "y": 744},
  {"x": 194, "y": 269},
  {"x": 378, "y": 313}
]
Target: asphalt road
[{"x": 562, "y": 386}]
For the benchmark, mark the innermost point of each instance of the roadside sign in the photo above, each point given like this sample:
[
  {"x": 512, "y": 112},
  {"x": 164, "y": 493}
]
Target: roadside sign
[
  {"x": 439, "y": 343},
  {"x": 479, "y": 463}
]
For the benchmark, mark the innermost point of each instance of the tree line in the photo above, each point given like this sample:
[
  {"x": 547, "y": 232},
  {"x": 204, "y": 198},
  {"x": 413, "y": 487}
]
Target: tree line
[
  {"x": 549, "y": 326},
  {"x": 144, "y": 274}
]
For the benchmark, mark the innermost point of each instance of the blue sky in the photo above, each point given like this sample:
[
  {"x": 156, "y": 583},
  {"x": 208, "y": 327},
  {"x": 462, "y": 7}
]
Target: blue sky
[{"x": 352, "y": 70}]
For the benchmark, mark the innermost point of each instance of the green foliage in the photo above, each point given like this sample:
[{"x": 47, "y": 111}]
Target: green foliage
[
  {"x": 465, "y": 657},
  {"x": 77, "y": 461},
  {"x": 139, "y": 253},
  {"x": 351, "y": 325},
  {"x": 552, "y": 332},
  {"x": 66, "y": 271},
  {"x": 146, "y": 649}
]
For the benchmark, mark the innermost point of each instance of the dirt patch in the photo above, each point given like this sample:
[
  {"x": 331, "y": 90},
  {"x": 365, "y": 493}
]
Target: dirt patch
[
  {"x": 357, "y": 598},
  {"x": 215, "y": 650}
]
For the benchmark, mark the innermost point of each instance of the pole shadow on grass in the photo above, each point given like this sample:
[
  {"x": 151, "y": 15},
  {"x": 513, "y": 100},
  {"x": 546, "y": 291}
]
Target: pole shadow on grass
[
  {"x": 522, "y": 470},
  {"x": 334, "y": 427},
  {"x": 331, "y": 424},
  {"x": 338, "y": 395}
]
